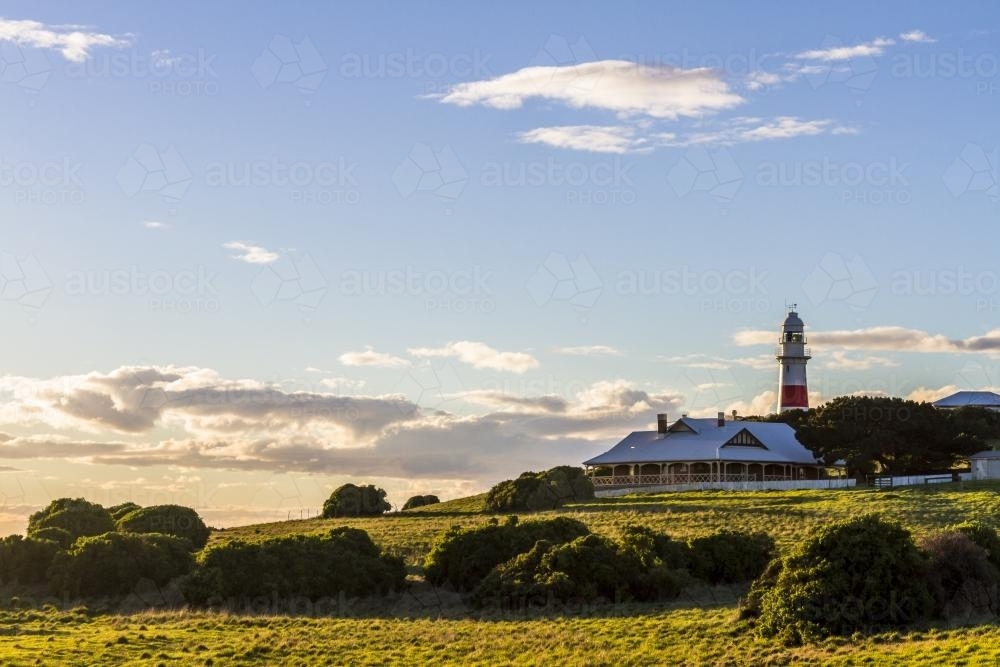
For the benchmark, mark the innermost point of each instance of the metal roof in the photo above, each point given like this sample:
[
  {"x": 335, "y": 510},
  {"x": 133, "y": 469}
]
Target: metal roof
[
  {"x": 988, "y": 454},
  {"x": 705, "y": 443},
  {"x": 961, "y": 399},
  {"x": 793, "y": 319}
]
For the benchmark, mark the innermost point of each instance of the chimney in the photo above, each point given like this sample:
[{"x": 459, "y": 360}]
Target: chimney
[
  {"x": 721, "y": 420},
  {"x": 661, "y": 423}
]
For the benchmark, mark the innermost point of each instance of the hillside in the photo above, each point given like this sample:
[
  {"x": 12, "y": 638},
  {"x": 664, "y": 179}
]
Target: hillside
[{"x": 785, "y": 515}]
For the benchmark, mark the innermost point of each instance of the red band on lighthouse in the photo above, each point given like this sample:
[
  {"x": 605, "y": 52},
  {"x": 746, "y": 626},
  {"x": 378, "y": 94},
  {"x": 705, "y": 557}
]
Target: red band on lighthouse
[{"x": 794, "y": 396}]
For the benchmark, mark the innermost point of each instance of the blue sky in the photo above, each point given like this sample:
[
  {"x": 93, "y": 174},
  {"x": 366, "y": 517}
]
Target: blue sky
[{"x": 248, "y": 255}]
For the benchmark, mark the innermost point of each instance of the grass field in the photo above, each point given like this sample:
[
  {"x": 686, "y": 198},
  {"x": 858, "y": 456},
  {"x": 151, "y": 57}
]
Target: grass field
[{"x": 701, "y": 628}]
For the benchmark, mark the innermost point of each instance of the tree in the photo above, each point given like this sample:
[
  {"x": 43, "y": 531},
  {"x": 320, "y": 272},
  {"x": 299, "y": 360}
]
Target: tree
[
  {"x": 885, "y": 435},
  {"x": 118, "y": 511},
  {"x": 532, "y": 492},
  {"x": 112, "y": 564},
  {"x": 353, "y": 500},
  {"x": 174, "y": 520},
  {"x": 76, "y": 516},
  {"x": 864, "y": 574},
  {"x": 421, "y": 501}
]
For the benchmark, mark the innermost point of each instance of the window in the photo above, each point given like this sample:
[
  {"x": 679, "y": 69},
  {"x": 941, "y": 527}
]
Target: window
[{"x": 744, "y": 439}]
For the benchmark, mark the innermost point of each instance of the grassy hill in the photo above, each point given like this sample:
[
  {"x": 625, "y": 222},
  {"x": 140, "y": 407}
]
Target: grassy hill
[{"x": 699, "y": 628}]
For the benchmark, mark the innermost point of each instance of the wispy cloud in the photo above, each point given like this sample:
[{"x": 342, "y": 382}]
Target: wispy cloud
[
  {"x": 73, "y": 42},
  {"x": 747, "y": 130},
  {"x": 593, "y": 138},
  {"x": 889, "y": 338},
  {"x": 918, "y": 36},
  {"x": 155, "y": 224},
  {"x": 369, "y": 357},
  {"x": 624, "y": 87},
  {"x": 588, "y": 351},
  {"x": 871, "y": 49},
  {"x": 252, "y": 254},
  {"x": 480, "y": 355}
]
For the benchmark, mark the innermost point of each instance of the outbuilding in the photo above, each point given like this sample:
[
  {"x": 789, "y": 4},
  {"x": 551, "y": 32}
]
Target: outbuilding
[{"x": 985, "y": 465}]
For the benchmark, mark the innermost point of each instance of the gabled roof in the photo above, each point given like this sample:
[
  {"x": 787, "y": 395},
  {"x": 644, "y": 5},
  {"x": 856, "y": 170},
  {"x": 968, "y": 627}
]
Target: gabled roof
[
  {"x": 706, "y": 441},
  {"x": 961, "y": 399}
]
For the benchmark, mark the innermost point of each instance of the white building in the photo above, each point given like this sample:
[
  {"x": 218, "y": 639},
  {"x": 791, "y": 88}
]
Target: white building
[
  {"x": 985, "y": 465},
  {"x": 975, "y": 399},
  {"x": 711, "y": 453}
]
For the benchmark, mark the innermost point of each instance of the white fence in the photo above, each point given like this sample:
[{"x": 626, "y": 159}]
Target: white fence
[
  {"x": 732, "y": 486},
  {"x": 940, "y": 478}
]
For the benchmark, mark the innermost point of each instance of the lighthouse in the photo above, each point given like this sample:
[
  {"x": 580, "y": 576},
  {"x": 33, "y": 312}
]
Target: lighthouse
[{"x": 792, "y": 356}]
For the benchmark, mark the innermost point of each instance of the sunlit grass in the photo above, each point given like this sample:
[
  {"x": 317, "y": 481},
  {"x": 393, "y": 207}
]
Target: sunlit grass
[{"x": 701, "y": 628}]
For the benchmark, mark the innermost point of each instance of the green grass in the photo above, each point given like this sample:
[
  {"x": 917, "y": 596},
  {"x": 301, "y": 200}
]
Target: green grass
[{"x": 701, "y": 628}]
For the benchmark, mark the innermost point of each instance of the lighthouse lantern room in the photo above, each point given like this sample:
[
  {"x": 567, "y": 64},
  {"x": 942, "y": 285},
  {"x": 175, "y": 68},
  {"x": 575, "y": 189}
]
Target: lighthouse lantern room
[{"x": 792, "y": 355}]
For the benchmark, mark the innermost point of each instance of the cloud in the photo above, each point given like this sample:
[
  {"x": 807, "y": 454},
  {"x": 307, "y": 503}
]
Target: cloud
[
  {"x": 588, "y": 351},
  {"x": 928, "y": 395},
  {"x": 252, "y": 254},
  {"x": 918, "y": 36},
  {"x": 194, "y": 418},
  {"x": 891, "y": 338},
  {"x": 155, "y": 224},
  {"x": 73, "y": 42},
  {"x": 372, "y": 358},
  {"x": 746, "y": 130},
  {"x": 709, "y": 362},
  {"x": 479, "y": 355},
  {"x": 593, "y": 138},
  {"x": 164, "y": 59},
  {"x": 838, "y": 360},
  {"x": 627, "y": 88},
  {"x": 871, "y": 49}
]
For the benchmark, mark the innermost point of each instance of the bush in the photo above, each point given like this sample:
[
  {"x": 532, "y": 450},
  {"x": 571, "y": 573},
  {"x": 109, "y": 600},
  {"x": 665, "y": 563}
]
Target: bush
[
  {"x": 729, "y": 557},
  {"x": 960, "y": 576},
  {"x": 532, "y": 492},
  {"x": 590, "y": 568},
  {"x": 174, "y": 520},
  {"x": 57, "y": 535},
  {"x": 112, "y": 564},
  {"x": 463, "y": 557},
  {"x": 353, "y": 500},
  {"x": 985, "y": 537},
  {"x": 420, "y": 501},
  {"x": 864, "y": 574},
  {"x": 118, "y": 511},
  {"x": 653, "y": 549},
  {"x": 286, "y": 569},
  {"x": 76, "y": 516},
  {"x": 26, "y": 561}
]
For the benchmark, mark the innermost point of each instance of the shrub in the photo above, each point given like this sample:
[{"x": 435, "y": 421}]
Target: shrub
[
  {"x": 58, "y": 535},
  {"x": 174, "y": 520},
  {"x": 589, "y": 568},
  {"x": 985, "y": 537},
  {"x": 463, "y": 557},
  {"x": 654, "y": 549},
  {"x": 353, "y": 500},
  {"x": 960, "y": 576},
  {"x": 76, "y": 516},
  {"x": 26, "y": 561},
  {"x": 420, "y": 501},
  {"x": 112, "y": 564},
  {"x": 532, "y": 492},
  {"x": 863, "y": 574},
  {"x": 303, "y": 567},
  {"x": 118, "y": 511},
  {"x": 730, "y": 556}
]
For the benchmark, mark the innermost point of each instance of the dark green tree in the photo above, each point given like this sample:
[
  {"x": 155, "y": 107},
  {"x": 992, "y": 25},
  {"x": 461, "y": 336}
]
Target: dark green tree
[
  {"x": 421, "y": 501},
  {"x": 354, "y": 500},
  {"x": 173, "y": 520},
  {"x": 78, "y": 517}
]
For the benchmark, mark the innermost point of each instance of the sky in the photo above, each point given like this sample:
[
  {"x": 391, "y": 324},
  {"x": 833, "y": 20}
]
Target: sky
[{"x": 252, "y": 252}]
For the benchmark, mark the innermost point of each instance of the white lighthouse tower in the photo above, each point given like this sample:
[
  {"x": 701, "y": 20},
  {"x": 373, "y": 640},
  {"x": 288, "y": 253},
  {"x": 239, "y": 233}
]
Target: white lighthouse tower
[{"x": 792, "y": 357}]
